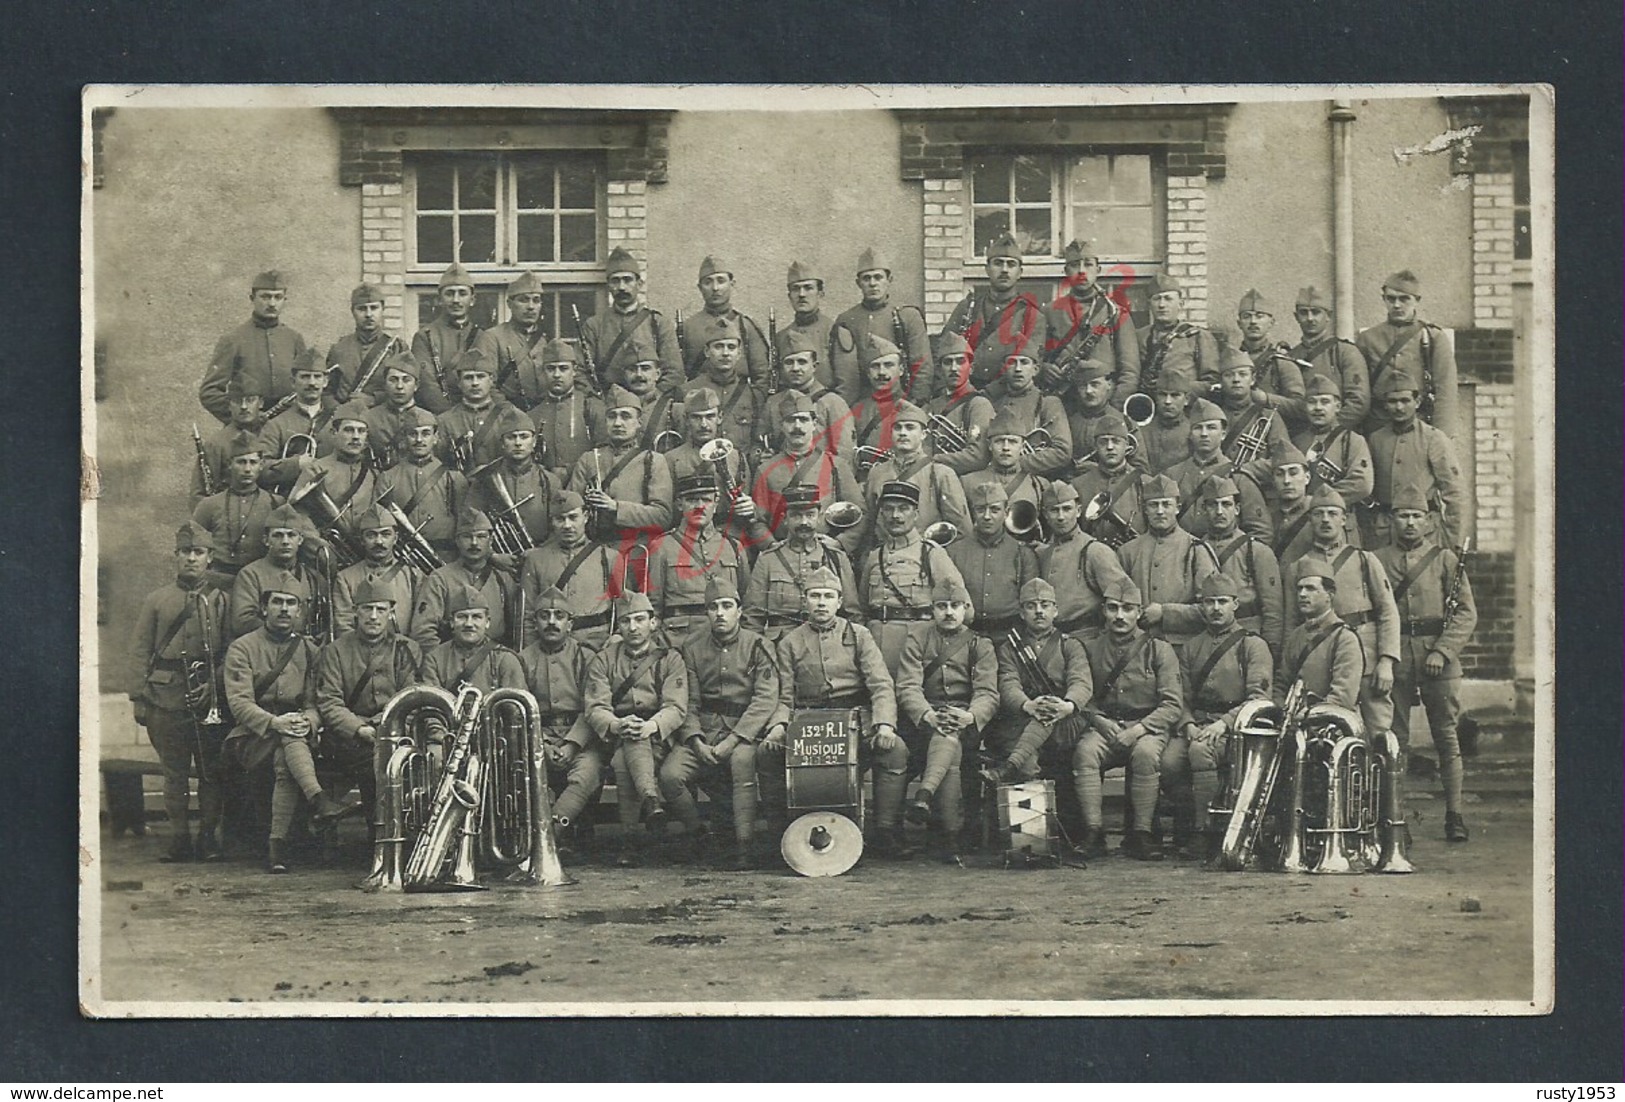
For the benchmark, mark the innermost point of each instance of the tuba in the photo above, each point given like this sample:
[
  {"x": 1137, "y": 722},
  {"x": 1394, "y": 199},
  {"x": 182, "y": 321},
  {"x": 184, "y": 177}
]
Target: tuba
[
  {"x": 402, "y": 767},
  {"x": 1344, "y": 798},
  {"x": 1255, "y": 768},
  {"x": 442, "y": 858},
  {"x": 516, "y": 819},
  {"x": 1025, "y": 522}
]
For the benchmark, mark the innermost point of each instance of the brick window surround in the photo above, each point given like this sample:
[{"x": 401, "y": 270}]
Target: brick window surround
[
  {"x": 1189, "y": 138},
  {"x": 1488, "y": 159}
]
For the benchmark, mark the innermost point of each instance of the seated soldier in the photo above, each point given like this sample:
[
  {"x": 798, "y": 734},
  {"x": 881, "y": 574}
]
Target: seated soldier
[
  {"x": 734, "y": 693},
  {"x": 1247, "y": 560},
  {"x": 556, "y": 673},
  {"x": 1111, "y": 473},
  {"x": 808, "y": 458},
  {"x": 993, "y": 564},
  {"x": 589, "y": 574},
  {"x": 736, "y": 513},
  {"x": 1166, "y": 563},
  {"x": 773, "y": 603},
  {"x": 379, "y": 566},
  {"x": 471, "y": 656},
  {"x": 682, "y": 564},
  {"x": 1322, "y": 651},
  {"x": 1005, "y": 447}
]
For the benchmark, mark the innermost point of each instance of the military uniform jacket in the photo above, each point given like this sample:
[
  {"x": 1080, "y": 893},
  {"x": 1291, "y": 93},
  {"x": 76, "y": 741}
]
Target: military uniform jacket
[
  {"x": 1094, "y": 326},
  {"x": 489, "y": 666},
  {"x": 587, "y": 589},
  {"x": 854, "y": 325},
  {"x": 354, "y": 488},
  {"x": 684, "y": 560},
  {"x": 215, "y": 443},
  {"x": 465, "y": 427},
  {"x": 1242, "y": 672},
  {"x": 1079, "y": 567},
  {"x": 1063, "y": 660},
  {"x": 430, "y": 494},
  {"x": 994, "y": 574},
  {"x": 529, "y": 480},
  {"x": 251, "y": 581},
  {"x": 663, "y": 411},
  {"x": 163, "y": 663},
  {"x": 1423, "y": 459},
  {"x": 1167, "y": 570},
  {"x": 834, "y": 417},
  {"x": 624, "y": 335},
  {"x": 1347, "y": 450},
  {"x": 1182, "y": 340},
  {"x": 567, "y": 428},
  {"x": 1364, "y": 600},
  {"x": 820, "y": 328},
  {"x": 237, "y": 524},
  {"x": 558, "y": 679},
  {"x": 973, "y": 413},
  {"x": 350, "y": 353},
  {"x": 1342, "y": 362},
  {"x": 355, "y": 679},
  {"x": 733, "y": 686},
  {"x": 1125, "y": 487},
  {"x": 1162, "y": 446},
  {"x": 753, "y": 346},
  {"x": 430, "y": 619},
  {"x": 384, "y": 432},
  {"x": 740, "y": 417},
  {"x": 829, "y": 668},
  {"x": 1331, "y": 668},
  {"x": 280, "y": 474},
  {"x": 961, "y": 669},
  {"x": 1084, "y": 425},
  {"x": 941, "y": 495},
  {"x": 1421, "y": 580},
  {"x": 773, "y": 601},
  {"x": 255, "y": 655},
  {"x": 995, "y": 330},
  {"x": 1148, "y": 690},
  {"x": 653, "y": 685},
  {"x": 898, "y": 577},
  {"x": 1293, "y": 537},
  {"x": 256, "y": 353},
  {"x": 872, "y": 418},
  {"x": 684, "y": 461},
  {"x": 1242, "y": 419},
  {"x": 1251, "y": 564},
  {"x": 509, "y": 352},
  {"x": 434, "y": 347},
  {"x": 820, "y": 467},
  {"x": 1033, "y": 410},
  {"x": 1426, "y": 344},
  {"x": 401, "y": 579},
  {"x": 1280, "y": 379},
  {"x": 1018, "y": 485},
  {"x": 640, "y": 482},
  {"x": 1193, "y": 472}
]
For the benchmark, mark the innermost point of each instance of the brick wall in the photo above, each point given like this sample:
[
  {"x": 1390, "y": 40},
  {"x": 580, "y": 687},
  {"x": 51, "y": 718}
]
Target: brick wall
[
  {"x": 626, "y": 217},
  {"x": 1187, "y": 240},
  {"x": 382, "y": 227},
  {"x": 1485, "y": 354},
  {"x": 1492, "y": 249},
  {"x": 1493, "y": 415},
  {"x": 1488, "y": 654},
  {"x": 945, "y": 248}
]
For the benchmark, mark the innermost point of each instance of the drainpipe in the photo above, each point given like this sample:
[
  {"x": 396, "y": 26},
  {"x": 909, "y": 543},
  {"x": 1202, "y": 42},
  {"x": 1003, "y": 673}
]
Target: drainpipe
[{"x": 1342, "y": 118}]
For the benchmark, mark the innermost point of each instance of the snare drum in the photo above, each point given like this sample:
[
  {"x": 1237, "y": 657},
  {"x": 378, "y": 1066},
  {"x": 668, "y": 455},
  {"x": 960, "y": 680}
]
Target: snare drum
[{"x": 1027, "y": 819}]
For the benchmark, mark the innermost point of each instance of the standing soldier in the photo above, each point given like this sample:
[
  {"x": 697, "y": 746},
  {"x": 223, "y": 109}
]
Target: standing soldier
[
  {"x": 261, "y": 351},
  {"x": 468, "y": 438},
  {"x": 900, "y": 572},
  {"x": 609, "y": 336},
  {"x": 1166, "y": 564},
  {"x": 1321, "y": 651},
  {"x": 1332, "y": 356},
  {"x": 310, "y": 416},
  {"x": 286, "y": 530},
  {"x": 270, "y": 688},
  {"x": 830, "y": 662},
  {"x": 1407, "y": 347},
  {"x": 235, "y": 517},
  {"x": 734, "y": 693},
  {"x": 948, "y": 691},
  {"x": 1165, "y": 442},
  {"x": 378, "y": 568},
  {"x": 1436, "y": 618},
  {"x": 516, "y": 487},
  {"x": 873, "y": 415},
  {"x": 810, "y": 325},
  {"x": 432, "y": 621},
  {"x": 741, "y": 412},
  {"x": 737, "y": 514},
  {"x": 1289, "y": 516},
  {"x": 1112, "y": 474},
  {"x": 1087, "y": 323},
  {"x": 1041, "y": 417},
  {"x": 637, "y": 699},
  {"x": 960, "y": 405},
  {"x": 355, "y": 362},
  {"x": 1001, "y": 320},
  {"x": 875, "y": 315},
  {"x": 247, "y": 416},
  {"x": 716, "y": 284},
  {"x": 1408, "y": 454},
  {"x": 1170, "y": 338},
  {"x": 1247, "y": 561},
  {"x": 1077, "y": 565},
  {"x": 1341, "y": 458},
  {"x": 993, "y": 565},
  {"x": 346, "y": 474},
  {"x": 662, "y": 409},
  {"x": 1207, "y": 461},
  {"x": 798, "y": 372},
  {"x": 941, "y": 495},
  {"x": 397, "y": 409},
  {"x": 628, "y": 488},
  {"x": 1137, "y": 701},
  {"x": 682, "y": 563},
  {"x": 1089, "y": 410},
  {"x": 807, "y": 458},
  {"x": 181, "y": 630},
  {"x": 449, "y": 334},
  {"x": 569, "y": 421},
  {"x": 428, "y": 492},
  {"x": 508, "y": 347},
  {"x": 556, "y": 665},
  {"x": 1278, "y": 380},
  {"x": 773, "y": 602},
  {"x": 1006, "y": 446},
  {"x": 586, "y": 573}
]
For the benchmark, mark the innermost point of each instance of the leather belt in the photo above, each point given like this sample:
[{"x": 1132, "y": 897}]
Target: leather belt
[
  {"x": 597, "y": 619},
  {"x": 1128, "y": 714},
  {"x": 722, "y": 708},
  {"x": 559, "y": 719},
  {"x": 690, "y": 609},
  {"x": 1249, "y": 608},
  {"x": 1355, "y": 619},
  {"x": 1078, "y": 623},
  {"x": 838, "y": 700},
  {"x": 1433, "y": 625},
  {"x": 900, "y": 615}
]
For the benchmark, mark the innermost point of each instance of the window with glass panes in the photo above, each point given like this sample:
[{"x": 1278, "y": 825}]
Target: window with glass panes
[{"x": 499, "y": 214}]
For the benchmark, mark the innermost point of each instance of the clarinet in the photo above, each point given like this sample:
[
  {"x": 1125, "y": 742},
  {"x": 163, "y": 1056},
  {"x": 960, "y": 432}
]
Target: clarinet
[
  {"x": 1424, "y": 405},
  {"x": 1453, "y": 601},
  {"x": 209, "y": 488},
  {"x": 772, "y": 352},
  {"x": 586, "y": 350}
]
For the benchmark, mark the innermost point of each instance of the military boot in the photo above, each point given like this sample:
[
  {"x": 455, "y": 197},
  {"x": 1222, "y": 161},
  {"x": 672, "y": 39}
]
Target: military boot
[
  {"x": 276, "y": 860},
  {"x": 1455, "y": 827},
  {"x": 1142, "y": 845},
  {"x": 179, "y": 850},
  {"x": 919, "y": 808}
]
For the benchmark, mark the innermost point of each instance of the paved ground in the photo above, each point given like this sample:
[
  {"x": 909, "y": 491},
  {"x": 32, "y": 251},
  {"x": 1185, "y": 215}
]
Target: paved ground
[{"x": 1118, "y": 930}]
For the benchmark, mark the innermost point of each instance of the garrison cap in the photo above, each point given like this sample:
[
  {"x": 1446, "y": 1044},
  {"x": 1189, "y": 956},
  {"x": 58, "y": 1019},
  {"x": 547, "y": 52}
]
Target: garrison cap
[
  {"x": 628, "y": 603},
  {"x": 472, "y": 520},
  {"x": 402, "y": 362},
  {"x": 871, "y": 259},
  {"x": 1405, "y": 282},
  {"x": 803, "y": 495},
  {"x": 1177, "y": 377},
  {"x": 510, "y": 418},
  {"x": 469, "y": 362},
  {"x": 714, "y": 265},
  {"x": 695, "y": 484},
  {"x": 353, "y": 410},
  {"x": 908, "y": 411},
  {"x": 1312, "y": 566},
  {"x": 456, "y": 275},
  {"x": 271, "y": 280},
  {"x": 1163, "y": 282},
  {"x": 375, "y": 518},
  {"x": 1037, "y": 589},
  {"x": 801, "y": 272},
  {"x": 950, "y": 343},
  {"x": 641, "y": 348},
  {"x": 1254, "y": 303},
  {"x": 1313, "y": 296},
  {"x": 1219, "y": 486},
  {"x": 794, "y": 402},
  {"x": 717, "y": 328},
  {"x": 553, "y": 597},
  {"x": 567, "y": 501},
  {"x": 1318, "y": 384},
  {"x": 1408, "y": 497},
  {"x": 1327, "y": 498},
  {"x": 308, "y": 360},
  {"x": 1395, "y": 380},
  {"x": 898, "y": 490},
  {"x": 1112, "y": 423},
  {"x": 986, "y": 493},
  {"x": 618, "y": 397},
  {"x": 719, "y": 585},
  {"x": 190, "y": 535},
  {"x": 1123, "y": 591},
  {"x": 243, "y": 387},
  {"x": 1006, "y": 422},
  {"x": 1232, "y": 356},
  {"x": 526, "y": 284},
  {"x": 1217, "y": 585},
  {"x": 1160, "y": 487},
  {"x": 1003, "y": 245},
  {"x": 1203, "y": 410},
  {"x": 417, "y": 417},
  {"x": 283, "y": 581},
  {"x": 621, "y": 261},
  {"x": 243, "y": 443},
  {"x": 1091, "y": 368},
  {"x": 464, "y": 597},
  {"x": 950, "y": 589},
  {"x": 557, "y": 351},
  {"x": 1077, "y": 251},
  {"x": 1288, "y": 455},
  {"x": 367, "y": 292},
  {"x": 286, "y": 516},
  {"x": 822, "y": 578},
  {"x": 876, "y": 346},
  {"x": 1058, "y": 492},
  {"x": 701, "y": 400},
  {"x": 799, "y": 340},
  {"x": 371, "y": 592}
]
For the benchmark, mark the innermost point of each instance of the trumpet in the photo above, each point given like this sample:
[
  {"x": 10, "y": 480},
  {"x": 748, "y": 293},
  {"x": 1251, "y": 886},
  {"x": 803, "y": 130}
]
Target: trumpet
[
  {"x": 1036, "y": 441},
  {"x": 840, "y": 516},
  {"x": 1139, "y": 409},
  {"x": 509, "y": 535},
  {"x": 946, "y": 434},
  {"x": 1026, "y": 522},
  {"x": 1321, "y": 463},
  {"x": 868, "y": 457},
  {"x": 942, "y": 533},
  {"x": 453, "y": 816},
  {"x": 1253, "y": 444},
  {"x": 412, "y": 548},
  {"x": 1102, "y": 522},
  {"x": 516, "y": 814}
]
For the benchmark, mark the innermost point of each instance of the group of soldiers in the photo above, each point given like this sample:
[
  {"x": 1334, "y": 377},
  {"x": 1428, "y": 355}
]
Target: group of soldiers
[{"x": 1039, "y": 543}]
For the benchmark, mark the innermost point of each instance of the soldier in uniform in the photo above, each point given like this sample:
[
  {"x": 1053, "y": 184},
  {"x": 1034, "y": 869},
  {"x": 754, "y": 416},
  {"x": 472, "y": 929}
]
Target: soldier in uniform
[
  {"x": 948, "y": 692},
  {"x": 1078, "y": 565},
  {"x": 471, "y": 654},
  {"x": 356, "y": 360},
  {"x": 1087, "y": 323},
  {"x": 961, "y": 405},
  {"x": 556, "y": 663},
  {"x": 662, "y": 409},
  {"x": 1247, "y": 561},
  {"x": 432, "y": 622},
  {"x": 1000, "y": 320},
  {"x": 808, "y": 458},
  {"x": 1255, "y": 432},
  {"x": 897, "y": 577},
  {"x": 798, "y": 371},
  {"x": 628, "y": 488},
  {"x": 1289, "y": 515},
  {"x": 310, "y": 415},
  {"x": 468, "y": 436},
  {"x": 1089, "y": 409},
  {"x": 875, "y": 315},
  {"x": 1170, "y": 338},
  {"x": 637, "y": 700},
  {"x": 508, "y": 348},
  {"x": 1166, "y": 564},
  {"x": 379, "y": 568},
  {"x": 812, "y": 326},
  {"x": 1409, "y": 347},
  {"x": 716, "y": 284},
  {"x": 1035, "y": 411},
  {"x": 874, "y": 414},
  {"x": 1111, "y": 473},
  {"x": 773, "y": 601},
  {"x": 830, "y": 662},
  {"x": 736, "y": 513},
  {"x": 235, "y": 517},
  {"x": 609, "y": 335},
  {"x": 1166, "y": 441},
  {"x": 586, "y": 573},
  {"x": 941, "y": 495},
  {"x": 286, "y": 531},
  {"x": 1278, "y": 381},
  {"x": 261, "y": 351},
  {"x": 569, "y": 421},
  {"x": 345, "y": 474},
  {"x": 741, "y": 413},
  {"x": 181, "y": 624},
  {"x": 1433, "y": 628},
  {"x": 734, "y": 694},
  {"x": 695, "y": 549},
  {"x": 1038, "y": 713},
  {"x": 1408, "y": 454},
  {"x": 1321, "y": 651},
  {"x": 247, "y": 417},
  {"x": 1207, "y": 461},
  {"x": 516, "y": 480},
  {"x": 1006, "y": 446},
  {"x": 428, "y": 492},
  {"x": 1138, "y": 700},
  {"x": 396, "y": 410},
  {"x": 1341, "y": 458},
  {"x": 1220, "y": 670},
  {"x": 270, "y": 688},
  {"x": 1330, "y": 355},
  {"x": 449, "y": 334},
  {"x": 992, "y": 563}
]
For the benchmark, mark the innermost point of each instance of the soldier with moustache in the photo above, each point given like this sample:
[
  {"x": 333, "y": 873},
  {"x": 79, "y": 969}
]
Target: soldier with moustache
[
  {"x": 1000, "y": 320},
  {"x": 1169, "y": 338},
  {"x": 396, "y": 409},
  {"x": 773, "y": 600},
  {"x": 556, "y": 663},
  {"x": 1080, "y": 567},
  {"x": 1278, "y": 380},
  {"x": 1036, "y": 411},
  {"x": 662, "y": 409},
  {"x": 449, "y": 334},
  {"x": 1411, "y": 457},
  {"x": 1321, "y": 650},
  {"x": 1111, "y": 472},
  {"x": 286, "y": 531},
  {"x": 813, "y": 327},
  {"x": 874, "y": 415},
  {"x": 1405, "y": 346},
  {"x": 180, "y": 624},
  {"x": 716, "y": 284},
  {"x": 379, "y": 568},
  {"x": 517, "y": 478},
  {"x": 508, "y": 348},
  {"x": 1432, "y": 633},
  {"x": 1289, "y": 511},
  {"x": 961, "y": 405},
  {"x": 808, "y": 458},
  {"x": 1221, "y": 669},
  {"x": 742, "y": 411},
  {"x": 1087, "y": 323},
  {"x": 346, "y": 474},
  {"x": 798, "y": 371},
  {"x": 898, "y": 575},
  {"x": 247, "y": 416},
  {"x": 696, "y": 548},
  {"x": 1247, "y": 560},
  {"x": 353, "y": 356},
  {"x": 736, "y": 514},
  {"x": 430, "y": 493},
  {"x": 831, "y": 662},
  {"x": 568, "y": 420},
  {"x": 992, "y": 563},
  {"x": 1342, "y": 457},
  {"x": 261, "y": 352},
  {"x": 1089, "y": 410},
  {"x": 627, "y": 487},
  {"x": 875, "y": 314},
  {"x": 1207, "y": 461},
  {"x": 468, "y": 437},
  {"x": 1330, "y": 355},
  {"x": 586, "y": 573},
  {"x": 474, "y": 569},
  {"x": 1165, "y": 442},
  {"x": 310, "y": 415},
  {"x": 611, "y": 336},
  {"x": 733, "y": 693},
  {"x": 941, "y": 495},
  {"x": 471, "y": 653},
  {"x": 637, "y": 700},
  {"x": 1167, "y": 563},
  {"x": 235, "y": 517},
  {"x": 948, "y": 692}
]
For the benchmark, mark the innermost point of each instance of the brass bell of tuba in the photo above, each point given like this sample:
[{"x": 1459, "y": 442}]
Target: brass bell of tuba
[
  {"x": 403, "y": 771},
  {"x": 442, "y": 858},
  {"x": 942, "y": 533},
  {"x": 1255, "y": 745},
  {"x": 516, "y": 808},
  {"x": 839, "y": 516}
]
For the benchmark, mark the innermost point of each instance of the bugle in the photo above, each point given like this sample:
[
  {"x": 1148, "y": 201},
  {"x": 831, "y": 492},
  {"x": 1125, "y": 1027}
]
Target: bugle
[
  {"x": 1025, "y": 521},
  {"x": 516, "y": 809},
  {"x": 841, "y": 516},
  {"x": 1139, "y": 409},
  {"x": 1036, "y": 441},
  {"x": 867, "y": 457},
  {"x": 942, "y": 533},
  {"x": 946, "y": 434}
]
